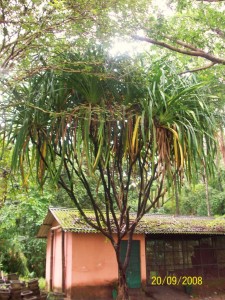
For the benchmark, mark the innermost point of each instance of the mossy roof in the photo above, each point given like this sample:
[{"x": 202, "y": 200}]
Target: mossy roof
[{"x": 69, "y": 219}]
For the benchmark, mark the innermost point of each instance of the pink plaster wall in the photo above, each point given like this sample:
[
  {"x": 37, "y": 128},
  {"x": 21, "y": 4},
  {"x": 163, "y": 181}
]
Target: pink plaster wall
[
  {"x": 90, "y": 260},
  {"x": 94, "y": 260},
  {"x": 48, "y": 254},
  {"x": 57, "y": 259},
  {"x": 68, "y": 262}
]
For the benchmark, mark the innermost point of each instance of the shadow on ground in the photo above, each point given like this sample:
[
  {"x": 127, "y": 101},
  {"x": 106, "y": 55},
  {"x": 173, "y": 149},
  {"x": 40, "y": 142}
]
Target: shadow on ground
[
  {"x": 166, "y": 293},
  {"x": 159, "y": 293}
]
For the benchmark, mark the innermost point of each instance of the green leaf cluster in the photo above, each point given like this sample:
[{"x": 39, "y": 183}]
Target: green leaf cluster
[{"x": 83, "y": 118}]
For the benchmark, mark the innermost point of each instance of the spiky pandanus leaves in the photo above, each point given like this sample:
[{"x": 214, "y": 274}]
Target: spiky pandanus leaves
[
  {"x": 90, "y": 121},
  {"x": 184, "y": 124}
]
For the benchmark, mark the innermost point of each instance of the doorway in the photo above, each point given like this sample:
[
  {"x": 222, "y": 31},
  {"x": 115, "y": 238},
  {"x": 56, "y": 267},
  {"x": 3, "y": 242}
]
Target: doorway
[{"x": 133, "y": 272}]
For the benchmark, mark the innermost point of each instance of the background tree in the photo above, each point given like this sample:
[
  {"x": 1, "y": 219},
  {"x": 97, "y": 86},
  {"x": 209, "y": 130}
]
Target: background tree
[
  {"x": 187, "y": 28},
  {"x": 194, "y": 29},
  {"x": 22, "y": 209},
  {"x": 110, "y": 126},
  {"x": 21, "y": 215},
  {"x": 192, "y": 197},
  {"x": 31, "y": 29}
]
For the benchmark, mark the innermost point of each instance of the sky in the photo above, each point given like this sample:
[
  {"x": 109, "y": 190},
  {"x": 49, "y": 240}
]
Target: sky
[{"x": 131, "y": 47}]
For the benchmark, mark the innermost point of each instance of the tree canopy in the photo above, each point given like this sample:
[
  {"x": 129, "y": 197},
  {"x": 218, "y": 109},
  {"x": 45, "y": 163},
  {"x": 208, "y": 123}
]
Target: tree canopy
[
  {"x": 192, "y": 28},
  {"x": 31, "y": 28}
]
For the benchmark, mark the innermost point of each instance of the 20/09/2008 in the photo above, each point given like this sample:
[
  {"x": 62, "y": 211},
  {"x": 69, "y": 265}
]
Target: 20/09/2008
[{"x": 174, "y": 280}]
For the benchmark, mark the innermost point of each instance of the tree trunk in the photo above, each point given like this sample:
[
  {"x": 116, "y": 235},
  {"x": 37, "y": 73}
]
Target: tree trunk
[
  {"x": 207, "y": 197},
  {"x": 177, "y": 197},
  {"x": 205, "y": 179},
  {"x": 122, "y": 286}
]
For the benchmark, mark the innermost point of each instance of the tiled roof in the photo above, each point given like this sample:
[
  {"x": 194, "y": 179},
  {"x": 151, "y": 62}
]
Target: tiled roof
[{"x": 70, "y": 219}]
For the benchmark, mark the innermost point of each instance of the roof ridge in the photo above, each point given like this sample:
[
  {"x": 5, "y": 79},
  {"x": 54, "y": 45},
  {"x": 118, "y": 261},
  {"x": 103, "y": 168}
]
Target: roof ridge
[
  {"x": 71, "y": 220},
  {"x": 52, "y": 208}
]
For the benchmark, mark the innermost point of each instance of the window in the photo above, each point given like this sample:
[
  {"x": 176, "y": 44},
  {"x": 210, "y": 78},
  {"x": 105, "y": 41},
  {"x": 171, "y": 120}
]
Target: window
[{"x": 185, "y": 255}]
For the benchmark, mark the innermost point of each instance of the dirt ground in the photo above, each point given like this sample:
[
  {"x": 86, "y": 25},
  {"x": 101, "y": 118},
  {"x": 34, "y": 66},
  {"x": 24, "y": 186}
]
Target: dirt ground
[
  {"x": 213, "y": 297},
  {"x": 171, "y": 293}
]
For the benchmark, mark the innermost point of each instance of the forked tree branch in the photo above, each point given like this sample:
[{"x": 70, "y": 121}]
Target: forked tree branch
[
  {"x": 192, "y": 51},
  {"x": 198, "y": 69}
]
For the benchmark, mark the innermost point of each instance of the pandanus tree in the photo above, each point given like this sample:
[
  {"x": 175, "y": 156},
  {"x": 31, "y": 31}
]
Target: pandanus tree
[{"x": 111, "y": 130}]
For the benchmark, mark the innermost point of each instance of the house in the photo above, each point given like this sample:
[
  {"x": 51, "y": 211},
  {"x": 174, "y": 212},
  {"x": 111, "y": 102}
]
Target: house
[{"x": 81, "y": 262}]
